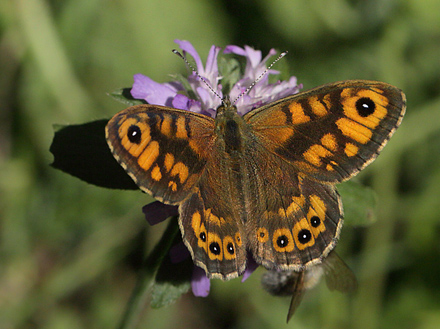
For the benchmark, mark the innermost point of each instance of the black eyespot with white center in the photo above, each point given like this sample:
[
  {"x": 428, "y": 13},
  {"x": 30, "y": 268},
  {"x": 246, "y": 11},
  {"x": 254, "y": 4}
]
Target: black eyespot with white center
[
  {"x": 282, "y": 241},
  {"x": 230, "y": 248},
  {"x": 365, "y": 106},
  {"x": 214, "y": 247},
  {"x": 134, "y": 134},
  {"x": 315, "y": 221},
  {"x": 202, "y": 236},
  {"x": 304, "y": 236}
]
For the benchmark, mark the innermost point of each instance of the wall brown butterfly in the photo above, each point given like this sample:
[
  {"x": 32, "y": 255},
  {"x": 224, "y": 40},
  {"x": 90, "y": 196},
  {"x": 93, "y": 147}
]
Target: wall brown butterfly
[{"x": 264, "y": 182}]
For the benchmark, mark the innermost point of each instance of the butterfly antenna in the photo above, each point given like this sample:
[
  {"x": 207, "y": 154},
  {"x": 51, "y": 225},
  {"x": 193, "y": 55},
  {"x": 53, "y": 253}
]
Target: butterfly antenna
[
  {"x": 196, "y": 73},
  {"x": 284, "y": 53}
]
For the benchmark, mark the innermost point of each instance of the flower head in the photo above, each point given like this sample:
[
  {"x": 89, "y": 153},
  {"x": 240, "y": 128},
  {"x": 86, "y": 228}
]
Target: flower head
[{"x": 176, "y": 94}]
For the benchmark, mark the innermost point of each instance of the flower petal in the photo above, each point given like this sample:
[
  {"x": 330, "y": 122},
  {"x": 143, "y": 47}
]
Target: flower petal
[
  {"x": 181, "y": 102},
  {"x": 178, "y": 253},
  {"x": 234, "y": 50},
  {"x": 207, "y": 100},
  {"x": 211, "y": 67},
  {"x": 156, "y": 212},
  {"x": 152, "y": 91},
  {"x": 253, "y": 56},
  {"x": 200, "y": 283},
  {"x": 251, "y": 266},
  {"x": 211, "y": 61},
  {"x": 189, "y": 48},
  {"x": 269, "y": 54}
]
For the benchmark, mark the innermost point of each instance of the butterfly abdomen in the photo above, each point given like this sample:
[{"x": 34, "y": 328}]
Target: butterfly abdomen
[{"x": 231, "y": 130}]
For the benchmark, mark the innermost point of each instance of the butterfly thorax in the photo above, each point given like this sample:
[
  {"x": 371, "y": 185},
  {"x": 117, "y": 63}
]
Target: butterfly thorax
[
  {"x": 230, "y": 128},
  {"x": 236, "y": 142}
]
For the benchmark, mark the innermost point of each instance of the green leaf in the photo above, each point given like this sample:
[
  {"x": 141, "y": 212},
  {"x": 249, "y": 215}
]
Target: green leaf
[
  {"x": 172, "y": 279},
  {"x": 359, "y": 203},
  {"x": 164, "y": 294},
  {"x": 82, "y": 151},
  {"x": 123, "y": 95},
  {"x": 154, "y": 260},
  {"x": 230, "y": 70}
]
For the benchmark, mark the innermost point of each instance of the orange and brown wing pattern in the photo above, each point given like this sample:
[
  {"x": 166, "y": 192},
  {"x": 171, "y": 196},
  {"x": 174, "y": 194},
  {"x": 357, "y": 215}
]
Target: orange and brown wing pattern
[
  {"x": 211, "y": 225},
  {"x": 293, "y": 221},
  {"x": 163, "y": 150},
  {"x": 333, "y": 131}
]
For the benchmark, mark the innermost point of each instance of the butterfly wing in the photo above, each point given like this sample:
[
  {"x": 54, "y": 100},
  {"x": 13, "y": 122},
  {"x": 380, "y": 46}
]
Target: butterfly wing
[
  {"x": 163, "y": 150},
  {"x": 210, "y": 222},
  {"x": 171, "y": 155},
  {"x": 333, "y": 131},
  {"x": 303, "y": 144},
  {"x": 338, "y": 275},
  {"x": 292, "y": 221}
]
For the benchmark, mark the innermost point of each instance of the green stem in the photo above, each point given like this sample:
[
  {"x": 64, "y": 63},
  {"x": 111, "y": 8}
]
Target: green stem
[{"x": 140, "y": 292}]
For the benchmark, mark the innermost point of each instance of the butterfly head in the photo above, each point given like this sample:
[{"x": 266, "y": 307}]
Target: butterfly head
[{"x": 226, "y": 109}]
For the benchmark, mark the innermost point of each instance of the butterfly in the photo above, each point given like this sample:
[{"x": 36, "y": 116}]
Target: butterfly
[{"x": 262, "y": 183}]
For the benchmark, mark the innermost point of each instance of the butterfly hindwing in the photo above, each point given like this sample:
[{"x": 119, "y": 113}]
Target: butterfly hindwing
[
  {"x": 333, "y": 131},
  {"x": 293, "y": 221},
  {"x": 213, "y": 232},
  {"x": 163, "y": 150}
]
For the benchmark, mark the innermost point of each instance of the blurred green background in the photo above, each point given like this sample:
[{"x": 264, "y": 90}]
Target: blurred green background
[{"x": 70, "y": 252}]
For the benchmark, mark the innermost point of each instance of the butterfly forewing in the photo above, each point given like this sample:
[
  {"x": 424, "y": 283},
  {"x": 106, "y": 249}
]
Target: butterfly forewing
[
  {"x": 333, "y": 131},
  {"x": 163, "y": 150}
]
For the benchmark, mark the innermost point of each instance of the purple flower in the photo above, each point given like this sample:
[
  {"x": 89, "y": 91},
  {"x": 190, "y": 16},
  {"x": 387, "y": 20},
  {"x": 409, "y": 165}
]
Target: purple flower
[
  {"x": 262, "y": 92},
  {"x": 156, "y": 212},
  {"x": 200, "y": 284},
  {"x": 154, "y": 92},
  {"x": 251, "y": 266},
  {"x": 206, "y": 102},
  {"x": 175, "y": 94}
]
